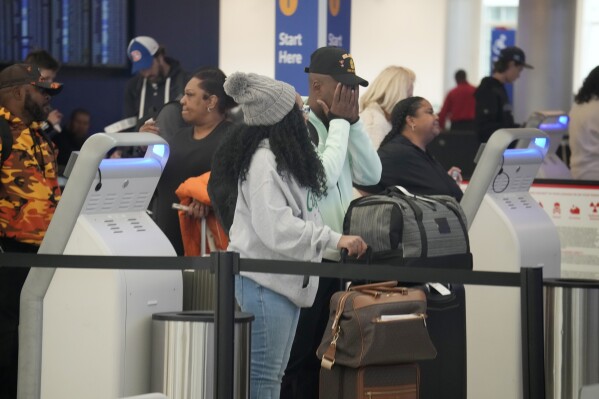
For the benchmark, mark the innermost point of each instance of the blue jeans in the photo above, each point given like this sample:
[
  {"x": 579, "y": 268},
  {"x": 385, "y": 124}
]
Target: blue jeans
[{"x": 272, "y": 335}]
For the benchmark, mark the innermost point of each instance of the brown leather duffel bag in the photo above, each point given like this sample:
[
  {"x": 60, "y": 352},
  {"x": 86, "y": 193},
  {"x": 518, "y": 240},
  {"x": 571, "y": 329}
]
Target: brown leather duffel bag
[{"x": 376, "y": 324}]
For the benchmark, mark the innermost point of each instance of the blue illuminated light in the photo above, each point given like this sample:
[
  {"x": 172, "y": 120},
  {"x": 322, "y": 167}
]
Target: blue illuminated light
[
  {"x": 551, "y": 126},
  {"x": 556, "y": 124},
  {"x": 540, "y": 142},
  {"x": 158, "y": 149}
]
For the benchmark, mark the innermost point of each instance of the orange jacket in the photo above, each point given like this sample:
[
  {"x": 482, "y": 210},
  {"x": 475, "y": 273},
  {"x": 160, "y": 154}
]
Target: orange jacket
[
  {"x": 197, "y": 188},
  {"x": 29, "y": 190}
]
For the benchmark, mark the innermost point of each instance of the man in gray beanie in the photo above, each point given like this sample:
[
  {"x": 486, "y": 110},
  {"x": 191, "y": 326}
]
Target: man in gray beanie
[
  {"x": 280, "y": 178},
  {"x": 348, "y": 156}
]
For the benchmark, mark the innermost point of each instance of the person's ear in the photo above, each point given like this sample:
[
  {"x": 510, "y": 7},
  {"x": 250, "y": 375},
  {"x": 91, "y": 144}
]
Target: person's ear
[
  {"x": 212, "y": 101},
  {"x": 316, "y": 85},
  {"x": 19, "y": 92}
]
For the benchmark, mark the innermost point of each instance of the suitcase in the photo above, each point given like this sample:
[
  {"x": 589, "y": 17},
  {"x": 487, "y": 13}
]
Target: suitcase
[
  {"x": 445, "y": 376},
  {"x": 373, "y": 218},
  {"x": 400, "y": 381}
]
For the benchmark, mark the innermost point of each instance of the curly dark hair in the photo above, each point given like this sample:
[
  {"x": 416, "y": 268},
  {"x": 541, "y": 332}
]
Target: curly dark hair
[
  {"x": 404, "y": 108},
  {"x": 294, "y": 153},
  {"x": 590, "y": 87}
]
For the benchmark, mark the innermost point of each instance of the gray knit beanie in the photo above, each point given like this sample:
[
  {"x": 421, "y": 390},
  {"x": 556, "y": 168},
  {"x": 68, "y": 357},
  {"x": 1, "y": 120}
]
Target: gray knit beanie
[{"x": 264, "y": 101}]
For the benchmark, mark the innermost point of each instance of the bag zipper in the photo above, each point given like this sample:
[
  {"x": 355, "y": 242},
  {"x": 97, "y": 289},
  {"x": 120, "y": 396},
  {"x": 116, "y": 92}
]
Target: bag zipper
[{"x": 377, "y": 201}]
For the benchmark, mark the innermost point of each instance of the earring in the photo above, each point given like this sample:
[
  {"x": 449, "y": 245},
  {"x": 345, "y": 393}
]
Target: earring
[
  {"x": 209, "y": 109},
  {"x": 412, "y": 126}
]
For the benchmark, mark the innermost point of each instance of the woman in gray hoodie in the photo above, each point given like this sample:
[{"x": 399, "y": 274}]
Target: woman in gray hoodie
[{"x": 279, "y": 179}]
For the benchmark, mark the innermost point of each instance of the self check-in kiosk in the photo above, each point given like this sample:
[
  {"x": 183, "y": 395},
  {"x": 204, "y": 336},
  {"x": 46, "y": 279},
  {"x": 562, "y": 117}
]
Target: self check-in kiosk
[
  {"x": 508, "y": 230},
  {"x": 90, "y": 329}
]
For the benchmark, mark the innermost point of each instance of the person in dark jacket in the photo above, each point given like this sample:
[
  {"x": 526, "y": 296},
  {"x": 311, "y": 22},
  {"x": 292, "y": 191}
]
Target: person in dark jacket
[
  {"x": 48, "y": 67},
  {"x": 405, "y": 159},
  {"x": 204, "y": 107},
  {"x": 72, "y": 137},
  {"x": 493, "y": 107},
  {"x": 158, "y": 79}
]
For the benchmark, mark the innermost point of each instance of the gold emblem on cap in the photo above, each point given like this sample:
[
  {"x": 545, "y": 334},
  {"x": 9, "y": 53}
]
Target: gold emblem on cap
[{"x": 352, "y": 67}]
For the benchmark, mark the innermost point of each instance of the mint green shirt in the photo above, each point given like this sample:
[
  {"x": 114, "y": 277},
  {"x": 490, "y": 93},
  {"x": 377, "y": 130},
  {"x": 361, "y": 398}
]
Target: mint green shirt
[{"x": 348, "y": 156}]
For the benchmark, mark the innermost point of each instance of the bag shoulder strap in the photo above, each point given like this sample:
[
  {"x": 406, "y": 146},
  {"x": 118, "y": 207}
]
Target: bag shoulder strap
[
  {"x": 374, "y": 286},
  {"x": 409, "y": 194},
  {"x": 328, "y": 358},
  {"x": 6, "y": 139}
]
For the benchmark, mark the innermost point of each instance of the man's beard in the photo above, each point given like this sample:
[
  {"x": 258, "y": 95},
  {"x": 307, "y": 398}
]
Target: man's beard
[
  {"x": 159, "y": 79},
  {"x": 36, "y": 111}
]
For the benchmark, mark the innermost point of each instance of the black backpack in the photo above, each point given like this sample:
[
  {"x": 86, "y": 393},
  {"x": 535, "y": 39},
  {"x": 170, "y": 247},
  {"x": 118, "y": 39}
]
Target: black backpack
[{"x": 6, "y": 140}]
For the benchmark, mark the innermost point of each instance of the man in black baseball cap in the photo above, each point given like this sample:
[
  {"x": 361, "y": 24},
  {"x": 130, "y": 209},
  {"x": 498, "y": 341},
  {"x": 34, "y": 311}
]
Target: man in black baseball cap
[
  {"x": 337, "y": 63},
  {"x": 515, "y": 54},
  {"x": 336, "y": 129},
  {"x": 29, "y": 194},
  {"x": 493, "y": 106}
]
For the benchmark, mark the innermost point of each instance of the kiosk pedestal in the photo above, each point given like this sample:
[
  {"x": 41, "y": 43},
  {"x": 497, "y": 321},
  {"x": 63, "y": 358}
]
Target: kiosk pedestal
[
  {"x": 507, "y": 231},
  {"x": 95, "y": 331}
]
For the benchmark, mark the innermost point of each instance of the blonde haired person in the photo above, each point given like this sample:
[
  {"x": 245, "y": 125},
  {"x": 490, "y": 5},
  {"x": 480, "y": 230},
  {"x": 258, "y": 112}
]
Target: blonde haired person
[{"x": 393, "y": 84}]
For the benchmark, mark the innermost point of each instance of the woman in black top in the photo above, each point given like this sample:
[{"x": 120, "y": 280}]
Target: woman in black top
[
  {"x": 407, "y": 163},
  {"x": 204, "y": 107},
  {"x": 405, "y": 159}
]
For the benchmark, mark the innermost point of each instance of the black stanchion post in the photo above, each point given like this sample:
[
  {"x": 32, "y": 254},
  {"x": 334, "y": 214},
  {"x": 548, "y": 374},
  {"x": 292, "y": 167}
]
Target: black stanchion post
[
  {"x": 225, "y": 265},
  {"x": 533, "y": 357}
]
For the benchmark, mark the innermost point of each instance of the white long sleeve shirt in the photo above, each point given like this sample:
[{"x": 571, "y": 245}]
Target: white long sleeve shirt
[
  {"x": 584, "y": 140},
  {"x": 275, "y": 218}
]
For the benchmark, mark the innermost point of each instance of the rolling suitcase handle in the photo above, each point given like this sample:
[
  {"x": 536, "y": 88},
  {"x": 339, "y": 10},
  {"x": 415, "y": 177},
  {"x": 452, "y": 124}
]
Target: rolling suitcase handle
[{"x": 207, "y": 238}]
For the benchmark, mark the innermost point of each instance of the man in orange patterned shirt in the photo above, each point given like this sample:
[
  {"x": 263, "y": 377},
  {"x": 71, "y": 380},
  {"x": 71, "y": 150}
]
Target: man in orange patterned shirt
[{"x": 29, "y": 193}]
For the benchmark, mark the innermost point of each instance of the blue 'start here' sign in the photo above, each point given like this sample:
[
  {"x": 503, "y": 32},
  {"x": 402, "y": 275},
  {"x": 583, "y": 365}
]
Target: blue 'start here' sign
[
  {"x": 338, "y": 23},
  {"x": 296, "y": 38}
]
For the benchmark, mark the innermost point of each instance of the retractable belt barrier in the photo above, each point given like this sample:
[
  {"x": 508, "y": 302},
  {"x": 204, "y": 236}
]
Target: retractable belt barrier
[{"x": 226, "y": 264}]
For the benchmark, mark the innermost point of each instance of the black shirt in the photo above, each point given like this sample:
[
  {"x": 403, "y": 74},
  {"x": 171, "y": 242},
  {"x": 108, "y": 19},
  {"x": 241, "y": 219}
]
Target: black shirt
[
  {"x": 405, "y": 164},
  {"x": 493, "y": 108},
  {"x": 188, "y": 157}
]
